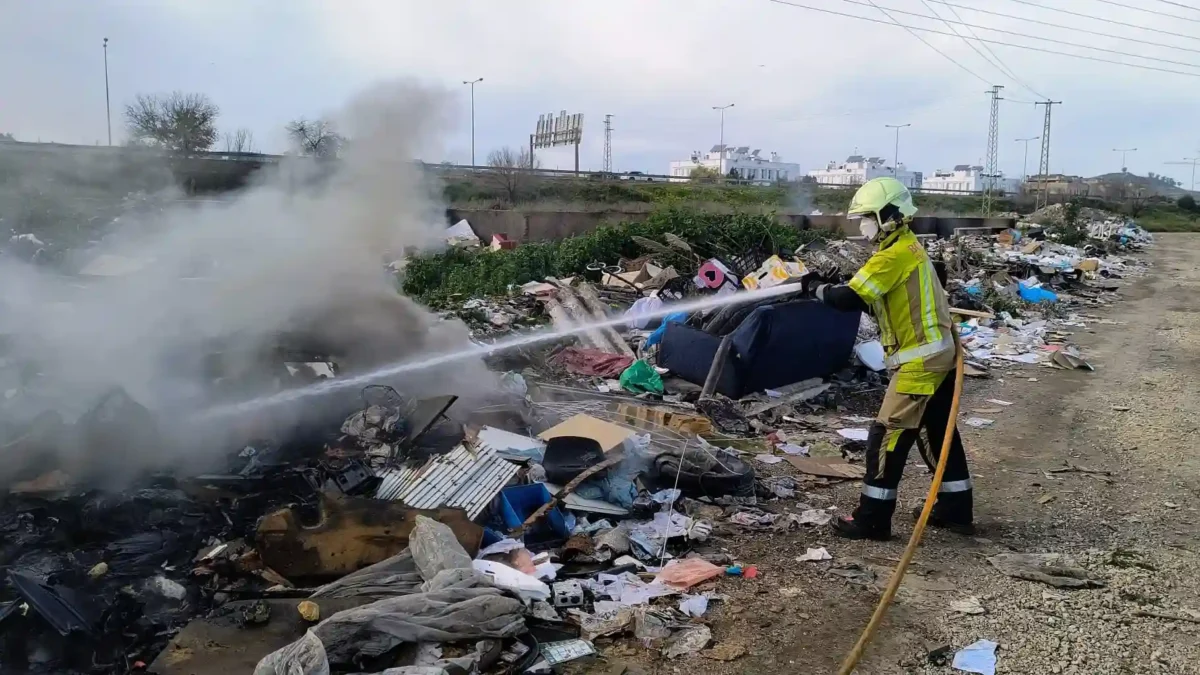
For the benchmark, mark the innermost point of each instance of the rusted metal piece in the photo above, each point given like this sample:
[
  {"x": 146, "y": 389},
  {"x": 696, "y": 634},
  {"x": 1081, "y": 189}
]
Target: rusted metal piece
[{"x": 351, "y": 534}]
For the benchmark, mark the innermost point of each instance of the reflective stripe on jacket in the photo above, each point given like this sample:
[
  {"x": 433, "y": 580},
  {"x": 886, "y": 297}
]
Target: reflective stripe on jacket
[{"x": 902, "y": 289}]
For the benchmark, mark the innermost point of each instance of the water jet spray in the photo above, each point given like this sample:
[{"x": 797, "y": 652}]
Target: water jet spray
[{"x": 424, "y": 362}]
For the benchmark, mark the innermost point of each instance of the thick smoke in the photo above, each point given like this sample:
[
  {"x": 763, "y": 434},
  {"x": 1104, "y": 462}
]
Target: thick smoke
[{"x": 298, "y": 259}]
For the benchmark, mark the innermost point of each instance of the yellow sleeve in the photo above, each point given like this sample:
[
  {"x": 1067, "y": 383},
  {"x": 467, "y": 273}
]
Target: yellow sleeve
[{"x": 881, "y": 274}]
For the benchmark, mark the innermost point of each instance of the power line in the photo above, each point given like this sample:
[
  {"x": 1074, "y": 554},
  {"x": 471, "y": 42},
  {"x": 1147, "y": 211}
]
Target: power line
[
  {"x": 1098, "y": 18},
  {"x": 1148, "y": 11},
  {"x": 964, "y": 39},
  {"x": 1003, "y": 67},
  {"x": 926, "y": 42},
  {"x": 1076, "y": 29},
  {"x": 1026, "y": 35},
  {"x": 995, "y": 42},
  {"x": 1180, "y": 4}
]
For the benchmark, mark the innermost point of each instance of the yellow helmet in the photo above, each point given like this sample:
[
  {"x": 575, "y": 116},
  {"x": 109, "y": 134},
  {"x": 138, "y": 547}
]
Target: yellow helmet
[{"x": 876, "y": 194}]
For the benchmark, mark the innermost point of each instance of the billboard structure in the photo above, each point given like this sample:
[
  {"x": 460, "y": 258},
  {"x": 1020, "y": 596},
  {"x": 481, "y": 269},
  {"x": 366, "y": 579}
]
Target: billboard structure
[{"x": 557, "y": 131}]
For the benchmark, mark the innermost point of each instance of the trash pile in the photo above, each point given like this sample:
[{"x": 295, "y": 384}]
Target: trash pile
[
  {"x": 1029, "y": 291},
  {"x": 602, "y": 501}
]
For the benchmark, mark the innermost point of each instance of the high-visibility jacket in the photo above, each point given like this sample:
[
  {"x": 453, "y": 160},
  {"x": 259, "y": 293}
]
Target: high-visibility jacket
[{"x": 901, "y": 286}]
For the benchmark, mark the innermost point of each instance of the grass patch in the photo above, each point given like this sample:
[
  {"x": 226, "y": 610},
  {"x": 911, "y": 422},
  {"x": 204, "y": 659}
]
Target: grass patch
[{"x": 1168, "y": 218}]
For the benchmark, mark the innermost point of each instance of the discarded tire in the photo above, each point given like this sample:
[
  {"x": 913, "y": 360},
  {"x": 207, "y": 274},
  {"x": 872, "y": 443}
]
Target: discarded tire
[{"x": 710, "y": 477}]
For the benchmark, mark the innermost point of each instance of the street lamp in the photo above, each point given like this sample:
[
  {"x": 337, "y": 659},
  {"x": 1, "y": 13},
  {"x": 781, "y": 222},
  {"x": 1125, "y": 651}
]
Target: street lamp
[
  {"x": 472, "y": 84},
  {"x": 107, "y": 104},
  {"x": 721, "y": 161},
  {"x": 896, "y": 153},
  {"x": 1123, "y": 152},
  {"x": 1025, "y": 162}
]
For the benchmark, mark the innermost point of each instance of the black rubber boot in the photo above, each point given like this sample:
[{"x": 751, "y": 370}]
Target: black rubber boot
[
  {"x": 965, "y": 529},
  {"x": 849, "y": 528}
]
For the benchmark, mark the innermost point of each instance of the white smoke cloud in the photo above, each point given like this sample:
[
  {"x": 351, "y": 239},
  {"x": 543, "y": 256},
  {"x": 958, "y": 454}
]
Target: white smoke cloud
[{"x": 302, "y": 251}]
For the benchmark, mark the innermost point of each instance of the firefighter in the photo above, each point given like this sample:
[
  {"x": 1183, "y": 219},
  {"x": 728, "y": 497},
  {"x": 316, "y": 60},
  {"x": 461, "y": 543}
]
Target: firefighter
[{"x": 901, "y": 288}]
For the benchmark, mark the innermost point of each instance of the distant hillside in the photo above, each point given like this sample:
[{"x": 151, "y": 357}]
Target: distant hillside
[{"x": 1156, "y": 184}]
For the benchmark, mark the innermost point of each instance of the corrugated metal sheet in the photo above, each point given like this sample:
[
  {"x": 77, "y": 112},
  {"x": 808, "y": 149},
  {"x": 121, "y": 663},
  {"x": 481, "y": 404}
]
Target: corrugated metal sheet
[{"x": 459, "y": 479}]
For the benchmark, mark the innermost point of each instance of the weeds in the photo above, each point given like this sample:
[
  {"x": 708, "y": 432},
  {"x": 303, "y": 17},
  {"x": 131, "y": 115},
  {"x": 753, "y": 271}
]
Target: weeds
[{"x": 435, "y": 278}]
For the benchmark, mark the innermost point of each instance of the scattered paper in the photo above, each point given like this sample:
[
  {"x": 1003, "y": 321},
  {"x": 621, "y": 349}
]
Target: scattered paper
[
  {"x": 979, "y": 422},
  {"x": 769, "y": 459},
  {"x": 694, "y": 605},
  {"x": 999, "y": 402},
  {"x": 813, "y": 517},
  {"x": 793, "y": 449},
  {"x": 969, "y": 605},
  {"x": 567, "y": 650},
  {"x": 853, "y": 434},
  {"x": 979, "y": 657},
  {"x": 814, "y": 554},
  {"x": 688, "y": 641}
]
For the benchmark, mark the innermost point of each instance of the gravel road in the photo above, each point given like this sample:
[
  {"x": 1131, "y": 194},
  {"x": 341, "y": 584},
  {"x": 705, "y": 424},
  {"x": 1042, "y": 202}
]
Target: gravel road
[{"x": 1137, "y": 417}]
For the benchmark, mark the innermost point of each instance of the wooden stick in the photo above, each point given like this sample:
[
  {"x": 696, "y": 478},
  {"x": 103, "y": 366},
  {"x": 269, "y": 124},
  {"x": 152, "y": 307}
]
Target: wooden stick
[
  {"x": 972, "y": 312},
  {"x": 718, "y": 365},
  {"x": 1164, "y": 615}
]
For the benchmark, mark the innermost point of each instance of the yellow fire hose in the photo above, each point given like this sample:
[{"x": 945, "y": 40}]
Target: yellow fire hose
[{"x": 889, "y": 593}]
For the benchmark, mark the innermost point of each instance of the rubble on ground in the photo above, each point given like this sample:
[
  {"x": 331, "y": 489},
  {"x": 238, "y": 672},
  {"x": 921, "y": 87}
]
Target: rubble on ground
[{"x": 602, "y": 503}]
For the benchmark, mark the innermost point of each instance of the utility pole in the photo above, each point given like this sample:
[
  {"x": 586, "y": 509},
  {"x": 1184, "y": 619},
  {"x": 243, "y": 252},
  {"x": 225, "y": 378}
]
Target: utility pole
[
  {"x": 1025, "y": 162},
  {"x": 1124, "y": 151},
  {"x": 1044, "y": 163},
  {"x": 472, "y": 84},
  {"x": 991, "y": 167},
  {"x": 608, "y": 144},
  {"x": 107, "y": 104},
  {"x": 896, "y": 152},
  {"x": 1192, "y": 161},
  {"x": 721, "y": 162}
]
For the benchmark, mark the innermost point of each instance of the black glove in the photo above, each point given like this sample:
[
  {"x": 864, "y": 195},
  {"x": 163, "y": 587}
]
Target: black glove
[{"x": 820, "y": 292}]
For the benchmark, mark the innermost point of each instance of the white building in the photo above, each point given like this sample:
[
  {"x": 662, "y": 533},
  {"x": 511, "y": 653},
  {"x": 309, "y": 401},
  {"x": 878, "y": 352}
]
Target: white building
[
  {"x": 857, "y": 170},
  {"x": 968, "y": 178},
  {"x": 748, "y": 165}
]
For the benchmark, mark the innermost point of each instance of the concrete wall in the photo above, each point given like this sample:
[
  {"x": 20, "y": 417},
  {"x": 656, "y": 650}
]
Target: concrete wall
[{"x": 551, "y": 225}]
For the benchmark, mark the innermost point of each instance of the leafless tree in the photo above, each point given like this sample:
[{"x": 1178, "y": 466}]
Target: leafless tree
[
  {"x": 315, "y": 138},
  {"x": 241, "y": 140},
  {"x": 509, "y": 170},
  {"x": 181, "y": 123}
]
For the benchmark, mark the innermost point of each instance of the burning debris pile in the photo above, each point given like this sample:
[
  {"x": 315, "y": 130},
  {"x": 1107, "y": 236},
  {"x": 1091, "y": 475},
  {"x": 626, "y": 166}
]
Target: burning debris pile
[{"x": 600, "y": 496}]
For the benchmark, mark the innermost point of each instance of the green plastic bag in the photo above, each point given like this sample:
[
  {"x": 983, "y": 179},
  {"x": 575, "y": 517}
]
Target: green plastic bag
[{"x": 641, "y": 377}]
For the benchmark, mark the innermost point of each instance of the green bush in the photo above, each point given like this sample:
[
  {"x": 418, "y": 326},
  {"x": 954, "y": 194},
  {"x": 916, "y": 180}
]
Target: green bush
[{"x": 434, "y": 278}]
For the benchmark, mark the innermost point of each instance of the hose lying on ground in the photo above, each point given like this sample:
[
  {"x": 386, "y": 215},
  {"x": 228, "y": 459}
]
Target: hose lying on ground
[{"x": 898, "y": 574}]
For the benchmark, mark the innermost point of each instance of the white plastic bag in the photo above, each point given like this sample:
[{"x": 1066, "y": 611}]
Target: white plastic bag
[
  {"x": 305, "y": 656},
  {"x": 515, "y": 581}
]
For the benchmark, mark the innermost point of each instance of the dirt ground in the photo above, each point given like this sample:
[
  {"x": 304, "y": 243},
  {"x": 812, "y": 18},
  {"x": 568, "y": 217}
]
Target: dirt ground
[{"x": 801, "y": 618}]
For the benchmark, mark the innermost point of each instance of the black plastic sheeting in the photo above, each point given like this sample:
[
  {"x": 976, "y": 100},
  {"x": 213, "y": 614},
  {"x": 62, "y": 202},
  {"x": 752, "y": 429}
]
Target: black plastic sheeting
[{"x": 773, "y": 347}]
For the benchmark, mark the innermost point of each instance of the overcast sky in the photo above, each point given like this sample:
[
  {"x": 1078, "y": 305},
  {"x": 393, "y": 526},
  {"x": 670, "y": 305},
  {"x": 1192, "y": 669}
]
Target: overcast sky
[{"x": 812, "y": 86}]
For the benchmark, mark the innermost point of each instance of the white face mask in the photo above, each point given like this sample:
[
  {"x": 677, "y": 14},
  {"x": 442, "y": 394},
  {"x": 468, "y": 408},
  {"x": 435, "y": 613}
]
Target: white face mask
[{"x": 868, "y": 227}]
